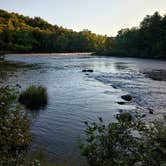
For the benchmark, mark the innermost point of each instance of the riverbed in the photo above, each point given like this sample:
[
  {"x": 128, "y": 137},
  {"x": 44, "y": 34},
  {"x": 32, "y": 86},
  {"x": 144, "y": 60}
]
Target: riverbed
[{"x": 75, "y": 96}]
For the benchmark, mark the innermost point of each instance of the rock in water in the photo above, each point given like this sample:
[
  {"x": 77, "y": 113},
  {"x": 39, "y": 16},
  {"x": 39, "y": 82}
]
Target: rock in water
[
  {"x": 87, "y": 70},
  {"x": 114, "y": 87},
  {"x": 90, "y": 70},
  {"x": 150, "y": 111},
  {"x": 121, "y": 103},
  {"x": 126, "y": 97}
]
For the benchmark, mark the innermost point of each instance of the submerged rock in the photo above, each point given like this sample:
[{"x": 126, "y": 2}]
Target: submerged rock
[
  {"x": 143, "y": 116},
  {"x": 158, "y": 75},
  {"x": 121, "y": 103},
  {"x": 126, "y": 97}
]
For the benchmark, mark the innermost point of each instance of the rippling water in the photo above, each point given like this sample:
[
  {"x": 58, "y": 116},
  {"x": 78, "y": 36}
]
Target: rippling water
[{"x": 75, "y": 97}]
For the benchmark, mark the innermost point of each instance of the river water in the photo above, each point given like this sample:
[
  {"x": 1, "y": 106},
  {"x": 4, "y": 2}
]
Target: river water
[{"x": 75, "y": 96}]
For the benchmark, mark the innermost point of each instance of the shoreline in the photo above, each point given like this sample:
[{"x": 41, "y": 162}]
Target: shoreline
[{"x": 52, "y": 54}]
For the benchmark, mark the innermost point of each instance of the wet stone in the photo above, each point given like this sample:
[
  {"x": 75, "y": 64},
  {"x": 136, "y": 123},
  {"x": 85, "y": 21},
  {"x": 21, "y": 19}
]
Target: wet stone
[
  {"x": 150, "y": 111},
  {"x": 126, "y": 97},
  {"x": 87, "y": 70},
  {"x": 121, "y": 103}
]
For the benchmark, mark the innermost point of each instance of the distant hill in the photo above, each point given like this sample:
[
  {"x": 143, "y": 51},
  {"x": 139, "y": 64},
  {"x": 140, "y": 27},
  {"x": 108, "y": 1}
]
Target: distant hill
[{"x": 20, "y": 33}]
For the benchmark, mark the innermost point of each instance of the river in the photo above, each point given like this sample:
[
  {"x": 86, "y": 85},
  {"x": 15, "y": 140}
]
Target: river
[{"x": 76, "y": 96}]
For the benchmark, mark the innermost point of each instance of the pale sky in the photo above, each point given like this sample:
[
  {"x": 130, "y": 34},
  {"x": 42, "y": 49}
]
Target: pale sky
[{"x": 99, "y": 16}]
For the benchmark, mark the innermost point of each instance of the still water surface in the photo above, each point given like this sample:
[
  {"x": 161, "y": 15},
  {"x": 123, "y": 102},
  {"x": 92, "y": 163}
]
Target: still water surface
[{"x": 75, "y": 96}]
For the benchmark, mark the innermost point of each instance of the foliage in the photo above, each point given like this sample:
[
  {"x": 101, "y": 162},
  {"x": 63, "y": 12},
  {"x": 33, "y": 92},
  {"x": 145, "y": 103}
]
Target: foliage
[
  {"x": 19, "y": 33},
  {"x": 34, "y": 97},
  {"x": 129, "y": 141},
  {"x": 146, "y": 41},
  {"x": 23, "y": 34},
  {"x": 14, "y": 129}
]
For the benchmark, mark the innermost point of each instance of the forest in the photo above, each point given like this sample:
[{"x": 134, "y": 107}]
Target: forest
[
  {"x": 146, "y": 41},
  {"x": 23, "y": 34}
]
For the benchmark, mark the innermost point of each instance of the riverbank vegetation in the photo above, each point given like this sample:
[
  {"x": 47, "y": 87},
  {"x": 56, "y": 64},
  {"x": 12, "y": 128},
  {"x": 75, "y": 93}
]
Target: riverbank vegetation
[
  {"x": 129, "y": 141},
  {"x": 15, "y": 134}
]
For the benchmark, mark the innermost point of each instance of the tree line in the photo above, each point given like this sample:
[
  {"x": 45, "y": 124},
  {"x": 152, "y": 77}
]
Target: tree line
[
  {"x": 146, "y": 41},
  {"x": 20, "y": 33}
]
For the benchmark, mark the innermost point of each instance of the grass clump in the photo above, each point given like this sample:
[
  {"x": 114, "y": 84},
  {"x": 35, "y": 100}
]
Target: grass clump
[{"x": 34, "y": 97}]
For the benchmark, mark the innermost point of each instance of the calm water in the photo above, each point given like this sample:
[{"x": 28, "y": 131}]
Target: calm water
[{"x": 75, "y": 97}]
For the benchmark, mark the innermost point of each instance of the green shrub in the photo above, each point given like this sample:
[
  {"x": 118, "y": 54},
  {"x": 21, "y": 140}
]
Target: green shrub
[
  {"x": 34, "y": 97},
  {"x": 14, "y": 129},
  {"x": 127, "y": 142}
]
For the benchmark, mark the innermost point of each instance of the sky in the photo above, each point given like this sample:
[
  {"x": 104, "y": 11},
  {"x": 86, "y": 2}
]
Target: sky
[{"x": 104, "y": 17}]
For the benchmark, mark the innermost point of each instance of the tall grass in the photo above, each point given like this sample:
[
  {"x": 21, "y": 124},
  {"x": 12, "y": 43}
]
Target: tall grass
[{"x": 34, "y": 97}]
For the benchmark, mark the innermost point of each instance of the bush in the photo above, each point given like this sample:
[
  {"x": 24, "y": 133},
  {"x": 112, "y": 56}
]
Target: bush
[
  {"x": 127, "y": 142},
  {"x": 34, "y": 97},
  {"x": 14, "y": 129}
]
